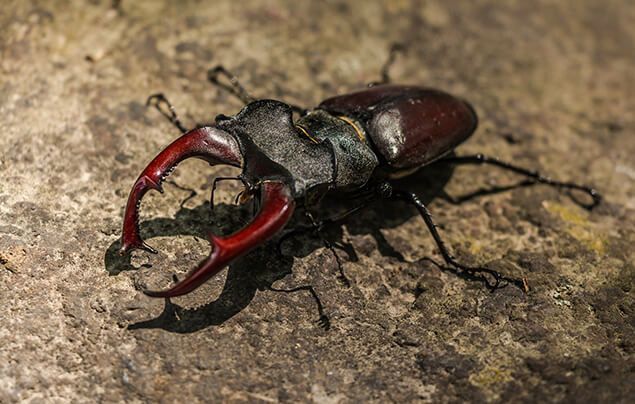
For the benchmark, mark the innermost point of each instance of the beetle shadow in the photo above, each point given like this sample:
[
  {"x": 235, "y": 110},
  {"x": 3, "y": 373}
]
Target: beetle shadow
[
  {"x": 245, "y": 276},
  {"x": 259, "y": 269}
]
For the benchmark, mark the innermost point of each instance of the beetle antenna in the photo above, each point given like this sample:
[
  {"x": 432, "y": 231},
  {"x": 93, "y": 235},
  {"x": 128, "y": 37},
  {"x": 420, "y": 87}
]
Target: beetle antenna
[
  {"x": 234, "y": 87},
  {"x": 159, "y": 99}
]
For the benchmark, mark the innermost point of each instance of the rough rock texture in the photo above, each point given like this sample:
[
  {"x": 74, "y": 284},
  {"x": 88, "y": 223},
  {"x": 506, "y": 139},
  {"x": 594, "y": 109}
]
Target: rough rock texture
[{"x": 553, "y": 85}]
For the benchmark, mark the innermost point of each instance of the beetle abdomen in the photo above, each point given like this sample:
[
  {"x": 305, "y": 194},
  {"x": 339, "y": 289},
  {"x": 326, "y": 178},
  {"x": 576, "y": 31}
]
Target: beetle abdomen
[{"x": 409, "y": 126}]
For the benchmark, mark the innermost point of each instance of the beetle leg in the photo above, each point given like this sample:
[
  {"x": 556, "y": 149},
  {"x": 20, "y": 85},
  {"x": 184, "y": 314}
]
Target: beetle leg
[
  {"x": 318, "y": 229},
  {"x": 159, "y": 99},
  {"x": 277, "y": 206},
  {"x": 320, "y": 224},
  {"x": 473, "y": 272},
  {"x": 457, "y": 200},
  {"x": 534, "y": 175},
  {"x": 216, "y": 180},
  {"x": 323, "y": 321},
  {"x": 192, "y": 192},
  {"x": 395, "y": 49},
  {"x": 317, "y": 226}
]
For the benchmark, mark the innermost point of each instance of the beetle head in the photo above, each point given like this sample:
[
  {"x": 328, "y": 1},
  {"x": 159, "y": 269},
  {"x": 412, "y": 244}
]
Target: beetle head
[{"x": 216, "y": 147}]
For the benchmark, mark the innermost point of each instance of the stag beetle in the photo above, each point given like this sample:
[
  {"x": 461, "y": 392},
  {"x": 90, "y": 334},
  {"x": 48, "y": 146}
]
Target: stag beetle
[{"x": 349, "y": 144}]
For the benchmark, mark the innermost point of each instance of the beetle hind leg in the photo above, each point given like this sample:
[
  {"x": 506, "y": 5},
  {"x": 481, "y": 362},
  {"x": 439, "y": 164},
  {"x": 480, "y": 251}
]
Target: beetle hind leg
[
  {"x": 395, "y": 49},
  {"x": 533, "y": 176}
]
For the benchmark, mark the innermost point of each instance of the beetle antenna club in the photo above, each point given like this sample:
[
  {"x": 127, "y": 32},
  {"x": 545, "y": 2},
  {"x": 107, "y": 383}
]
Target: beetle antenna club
[
  {"x": 234, "y": 86},
  {"x": 159, "y": 99},
  {"x": 236, "y": 89},
  {"x": 352, "y": 146}
]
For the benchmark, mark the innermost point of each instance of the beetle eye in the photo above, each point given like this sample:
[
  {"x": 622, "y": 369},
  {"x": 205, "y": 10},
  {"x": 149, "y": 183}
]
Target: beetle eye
[{"x": 222, "y": 117}]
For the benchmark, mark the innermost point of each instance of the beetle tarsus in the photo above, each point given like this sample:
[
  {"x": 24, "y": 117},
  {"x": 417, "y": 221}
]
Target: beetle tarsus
[{"x": 323, "y": 321}]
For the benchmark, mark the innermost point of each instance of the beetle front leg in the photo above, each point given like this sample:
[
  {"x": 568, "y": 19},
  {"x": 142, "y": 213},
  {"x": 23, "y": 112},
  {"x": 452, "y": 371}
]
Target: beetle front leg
[
  {"x": 323, "y": 321},
  {"x": 317, "y": 226},
  {"x": 533, "y": 175},
  {"x": 474, "y": 272},
  {"x": 217, "y": 180}
]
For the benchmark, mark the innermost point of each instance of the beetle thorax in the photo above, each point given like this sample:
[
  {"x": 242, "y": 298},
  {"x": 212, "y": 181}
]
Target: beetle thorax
[{"x": 353, "y": 160}]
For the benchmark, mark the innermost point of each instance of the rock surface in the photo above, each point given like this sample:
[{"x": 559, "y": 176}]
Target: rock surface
[{"x": 553, "y": 85}]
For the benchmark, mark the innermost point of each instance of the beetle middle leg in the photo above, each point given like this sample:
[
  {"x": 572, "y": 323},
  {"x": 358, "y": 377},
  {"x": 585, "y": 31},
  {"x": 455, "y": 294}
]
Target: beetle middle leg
[
  {"x": 329, "y": 246},
  {"x": 532, "y": 174},
  {"x": 317, "y": 226},
  {"x": 479, "y": 273}
]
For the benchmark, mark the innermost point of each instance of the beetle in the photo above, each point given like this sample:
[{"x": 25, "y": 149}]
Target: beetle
[{"x": 351, "y": 144}]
